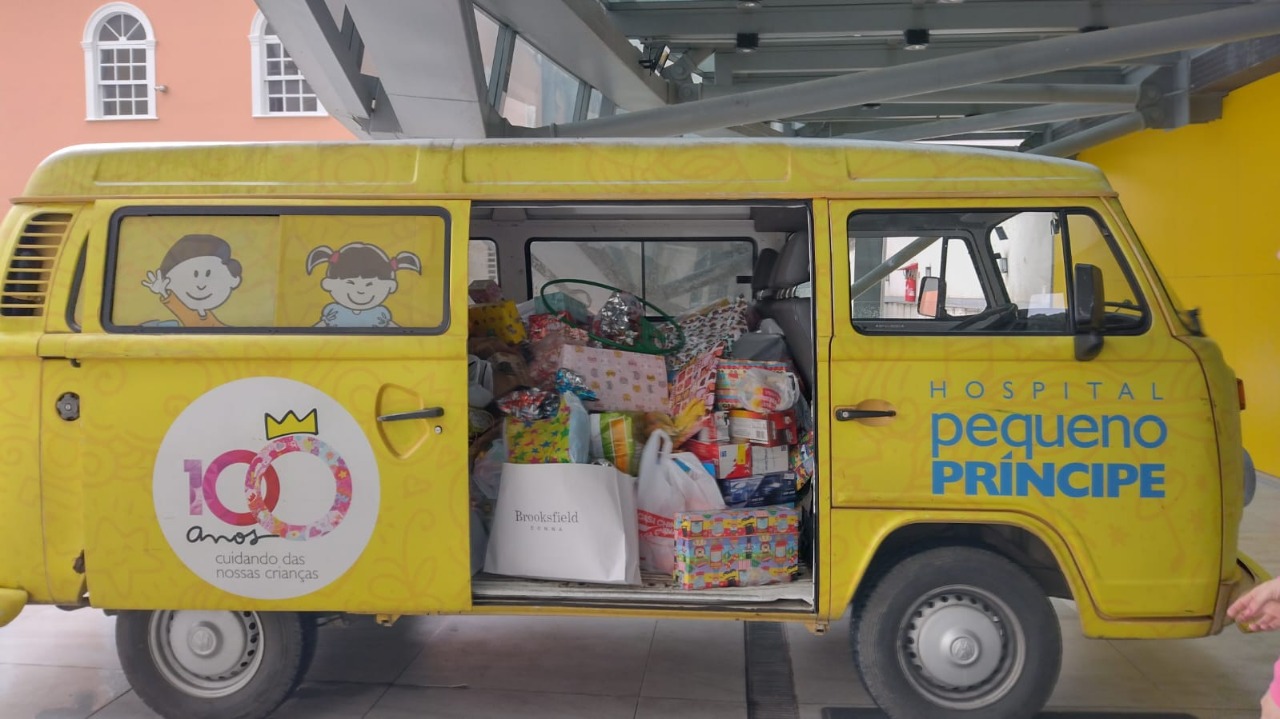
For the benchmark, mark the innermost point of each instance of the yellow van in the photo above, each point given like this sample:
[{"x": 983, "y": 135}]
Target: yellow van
[{"x": 1009, "y": 403}]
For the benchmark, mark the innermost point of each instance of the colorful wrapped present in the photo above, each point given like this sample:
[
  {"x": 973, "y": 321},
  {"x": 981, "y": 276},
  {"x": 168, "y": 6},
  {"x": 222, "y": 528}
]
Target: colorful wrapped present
[
  {"x": 623, "y": 381},
  {"x": 696, "y": 381},
  {"x": 716, "y": 325},
  {"x": 759, "y": 490},
  {"x": 730, "y": 372},
  {"x": 496, "y": 319},
  {"x": 560, "y": 439},
  {"x": 801, "y": 459},
  {"x": 556, "y": 303},
  {"x": 544, "y": 325},
  {"x": 737, "y": 547}
]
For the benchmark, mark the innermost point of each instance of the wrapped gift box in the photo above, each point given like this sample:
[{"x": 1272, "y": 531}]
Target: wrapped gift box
[
  {"x": 737, "y": 547},
  {"x": 541, "y": 441},
  {"x": 496, "y": 319},
  {"x": 759, "y": 490},
  {"x": 622, "y": 381},
  {"x": 696, "y": 382}
]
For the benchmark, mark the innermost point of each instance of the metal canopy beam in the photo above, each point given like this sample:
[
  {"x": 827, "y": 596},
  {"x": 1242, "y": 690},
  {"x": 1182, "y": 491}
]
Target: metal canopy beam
[
  {"x": 844, "y": 58},
  {"x": 1106, "y": 132},
  {"x": 580, "y": 37},
  {"x": 994, "y": 93},
  {"x": 329, "y": 56},
  {"x": 933, "y": 75},
  {"x": 995, "y": 121},
  {"x": 406, "y": 36},
  {"x": 704, "y": 20}
]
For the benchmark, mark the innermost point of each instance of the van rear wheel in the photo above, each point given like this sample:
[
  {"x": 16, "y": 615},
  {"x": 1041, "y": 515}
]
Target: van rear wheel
[
  {"x": 957, "y": 633},
  {"x": 214, "y": 665}
]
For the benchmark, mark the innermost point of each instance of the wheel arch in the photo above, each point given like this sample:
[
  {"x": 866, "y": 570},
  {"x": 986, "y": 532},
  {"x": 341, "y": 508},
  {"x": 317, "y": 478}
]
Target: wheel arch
[{"x": 1023, "y": 540}]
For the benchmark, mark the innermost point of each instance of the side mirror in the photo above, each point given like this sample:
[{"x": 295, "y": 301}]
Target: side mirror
[
  {"x": 1088, "y": 311},
  {"x": 930, "y": 293}
]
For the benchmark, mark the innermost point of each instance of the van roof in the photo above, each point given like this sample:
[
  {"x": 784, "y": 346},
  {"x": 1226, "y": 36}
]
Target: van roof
[{"x": 543, "y": 170}]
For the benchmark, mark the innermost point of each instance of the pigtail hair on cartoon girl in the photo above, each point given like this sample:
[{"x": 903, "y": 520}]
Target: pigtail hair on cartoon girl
[
  {"x": 407, "y": 261},
  {"x": 320, "y": 256}
]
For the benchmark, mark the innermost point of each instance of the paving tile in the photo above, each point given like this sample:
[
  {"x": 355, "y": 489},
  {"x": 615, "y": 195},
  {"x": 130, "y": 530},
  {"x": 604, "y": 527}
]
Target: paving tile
[
  {"x": 823, "y": 667},
  {"x": 421, "y": 703},
  {"x": 42, "y": 692},
  {"x": 361, "y": 650},
  {"x": 49, "y": 636},
  {"x": 697, "y": 660},
  {"x": 581, "y": 655},
  {"x": 664, "y": 708}
]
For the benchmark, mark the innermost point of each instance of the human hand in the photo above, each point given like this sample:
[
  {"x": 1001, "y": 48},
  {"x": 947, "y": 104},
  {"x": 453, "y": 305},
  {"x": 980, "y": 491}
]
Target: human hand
[
  {"x": 157, "y": 283},
  {"x": 1259, "y": 608},
  {"x": 1269, "y": 708}
]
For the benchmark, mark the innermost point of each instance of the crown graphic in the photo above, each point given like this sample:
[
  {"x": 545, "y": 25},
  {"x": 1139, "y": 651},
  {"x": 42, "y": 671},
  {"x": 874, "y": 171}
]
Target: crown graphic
[{"x": 290, "y": 424}]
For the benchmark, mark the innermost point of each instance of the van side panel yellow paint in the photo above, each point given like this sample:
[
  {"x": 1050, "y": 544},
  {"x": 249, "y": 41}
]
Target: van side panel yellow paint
[
  {"x": 133, "y": 386},
  {"x": 543, "y": 169},
  {"x": 21, "y": 531},
  {"x": 1157, "y": 556}
]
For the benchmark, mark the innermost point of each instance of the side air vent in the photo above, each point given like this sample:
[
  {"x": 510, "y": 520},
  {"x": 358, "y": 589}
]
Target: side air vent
[{"x": 30, "y": 271}]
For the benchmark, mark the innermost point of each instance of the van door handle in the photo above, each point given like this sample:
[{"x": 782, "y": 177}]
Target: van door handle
[
  {"x": 844, "y": 414},
  {"x": 428, "y": 413},
  {"x": 871, "y": 412}
]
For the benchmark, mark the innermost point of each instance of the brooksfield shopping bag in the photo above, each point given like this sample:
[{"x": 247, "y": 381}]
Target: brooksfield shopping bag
[{"x": 573, "y": 522}]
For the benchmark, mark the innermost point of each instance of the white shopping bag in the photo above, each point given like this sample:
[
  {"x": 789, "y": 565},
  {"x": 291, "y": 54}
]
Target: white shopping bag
[
  {"x": 574, "y": 522},
  {"x": 669, "y": 483}
]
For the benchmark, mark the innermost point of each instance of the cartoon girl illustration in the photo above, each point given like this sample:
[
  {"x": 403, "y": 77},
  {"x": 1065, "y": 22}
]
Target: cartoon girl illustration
[
  {"x": 359, "y": 277},
  {"x": 196, "y": 276}
]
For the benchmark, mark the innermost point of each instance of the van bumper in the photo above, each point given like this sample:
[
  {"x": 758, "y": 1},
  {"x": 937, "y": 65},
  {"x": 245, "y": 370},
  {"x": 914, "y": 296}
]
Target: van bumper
[
  {"x": 1248, "y": 575},
  {"x": 11, "y": 603}
]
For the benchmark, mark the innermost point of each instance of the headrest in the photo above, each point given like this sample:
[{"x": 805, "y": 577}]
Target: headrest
[
  {"x": 763, "y": 273},
  {"x": 792, "y": 267}
]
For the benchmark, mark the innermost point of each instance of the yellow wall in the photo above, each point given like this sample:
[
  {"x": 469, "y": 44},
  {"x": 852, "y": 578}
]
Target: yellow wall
[{"x": 1205, "y": 200}]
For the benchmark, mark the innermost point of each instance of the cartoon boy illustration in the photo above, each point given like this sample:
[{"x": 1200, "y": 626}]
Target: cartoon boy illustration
[
  {"x": 359, "y": 277},
  {"x": 196, "y": 276}
]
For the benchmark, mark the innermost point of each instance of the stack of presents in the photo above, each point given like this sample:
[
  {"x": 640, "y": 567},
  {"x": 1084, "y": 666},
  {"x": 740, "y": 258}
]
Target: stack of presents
[{"x": 703, "y": 433}]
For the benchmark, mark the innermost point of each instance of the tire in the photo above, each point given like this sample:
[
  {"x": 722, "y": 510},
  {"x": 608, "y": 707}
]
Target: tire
[
  {"x": 214, "y": 665},
  {"x": 996, "y": 647}
]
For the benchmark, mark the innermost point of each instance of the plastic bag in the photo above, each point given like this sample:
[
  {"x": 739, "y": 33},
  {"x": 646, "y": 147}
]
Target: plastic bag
[
  {"x": 762, "y": 391},
  {"x": 669, "y": 483}
]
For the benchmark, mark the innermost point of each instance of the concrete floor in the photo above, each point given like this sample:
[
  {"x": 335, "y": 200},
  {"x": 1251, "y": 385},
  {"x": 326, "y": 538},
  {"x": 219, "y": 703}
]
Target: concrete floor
[{"x": 59, "y": 665}]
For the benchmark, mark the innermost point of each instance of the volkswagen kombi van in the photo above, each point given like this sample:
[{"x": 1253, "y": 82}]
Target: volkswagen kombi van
[{"x": 235, "y": 398}]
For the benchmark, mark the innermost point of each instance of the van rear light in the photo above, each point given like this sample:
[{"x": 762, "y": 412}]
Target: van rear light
[{"x": 1240, "y": 392}]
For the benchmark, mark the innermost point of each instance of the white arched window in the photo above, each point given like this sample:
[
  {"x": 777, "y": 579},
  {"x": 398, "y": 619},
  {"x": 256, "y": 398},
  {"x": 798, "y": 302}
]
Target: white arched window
[
  {"x": 119, "y": 64},
  {"x": 278, "y": 85}
]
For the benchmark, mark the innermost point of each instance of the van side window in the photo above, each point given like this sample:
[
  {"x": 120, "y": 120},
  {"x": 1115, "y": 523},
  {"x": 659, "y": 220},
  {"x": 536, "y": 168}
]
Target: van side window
[
  {"x": 482, "y": 260},
  {"x": 676, "y": 275},
  {"x": 981, "y": 272},
  {"x": 341, "y": 270}
]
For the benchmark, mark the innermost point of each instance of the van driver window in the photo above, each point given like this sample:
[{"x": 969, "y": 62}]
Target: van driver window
[{"x": 981, "y": 272}]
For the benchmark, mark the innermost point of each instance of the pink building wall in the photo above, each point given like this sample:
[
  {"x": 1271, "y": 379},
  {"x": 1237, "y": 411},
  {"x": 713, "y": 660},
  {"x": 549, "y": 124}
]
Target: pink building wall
[{"x": 202, "y": 55}]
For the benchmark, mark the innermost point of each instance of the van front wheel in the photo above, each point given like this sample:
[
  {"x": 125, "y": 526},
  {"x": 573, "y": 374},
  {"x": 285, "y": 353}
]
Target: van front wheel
[
  {"x": 212, "y": 665},
  {"x": 957, "y": 632}
]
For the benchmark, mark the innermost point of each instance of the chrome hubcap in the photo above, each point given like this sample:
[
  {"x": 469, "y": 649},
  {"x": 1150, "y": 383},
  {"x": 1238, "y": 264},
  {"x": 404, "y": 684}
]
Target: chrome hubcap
[
  {"x": 206, "y": 654},
  {"x": 961, "y": 648}
]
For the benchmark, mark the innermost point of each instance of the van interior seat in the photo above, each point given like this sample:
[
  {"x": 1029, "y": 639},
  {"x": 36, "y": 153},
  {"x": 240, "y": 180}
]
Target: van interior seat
[
  {"x": 762, "y": 274},
  {"x": 794, "y": 314}
]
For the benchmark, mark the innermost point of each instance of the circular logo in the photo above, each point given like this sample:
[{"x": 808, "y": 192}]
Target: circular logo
[
  {"x": 267, "y": 488},
  {"x": 964, "y": 650}
]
